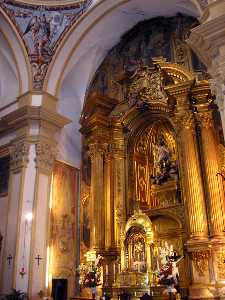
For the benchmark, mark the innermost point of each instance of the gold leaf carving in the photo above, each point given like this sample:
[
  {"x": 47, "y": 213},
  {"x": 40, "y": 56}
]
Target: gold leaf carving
[
  {"x": 220, "y": 258},
  {"x": 200, "y": 261}
]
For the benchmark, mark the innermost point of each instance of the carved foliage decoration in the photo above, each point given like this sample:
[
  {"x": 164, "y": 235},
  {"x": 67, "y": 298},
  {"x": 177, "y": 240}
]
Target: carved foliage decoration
[
  {"x": 147, "y": 86},
  {"x": 46, "y": 154},
  {"x": 42, "y": 28},
  {"x": 200, "y": 261},
  {"x": 19, "y": 155}
]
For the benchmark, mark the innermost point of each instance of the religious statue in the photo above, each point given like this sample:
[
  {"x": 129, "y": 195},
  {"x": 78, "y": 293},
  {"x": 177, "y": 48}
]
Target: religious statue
[
  {"x": 138, "y": 251},
  {"x": 163, "y": 166},
  {"x": 167, "y": 270}
]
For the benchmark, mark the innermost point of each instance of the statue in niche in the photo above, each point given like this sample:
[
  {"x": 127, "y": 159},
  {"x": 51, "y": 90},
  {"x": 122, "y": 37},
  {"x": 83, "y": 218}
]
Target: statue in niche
[
  {"x": 163, "y": 166},
  {"x": 136, "y": 250}
]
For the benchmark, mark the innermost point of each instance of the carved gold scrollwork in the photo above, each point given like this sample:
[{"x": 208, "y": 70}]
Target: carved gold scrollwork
[
  {"x": 147, "y": 85},
  {"x": 200, "y": 261},
  {"x": 220, "y": 258},
  {"x": 45, "y": 155},
  {"x": 19, "y": 155}
]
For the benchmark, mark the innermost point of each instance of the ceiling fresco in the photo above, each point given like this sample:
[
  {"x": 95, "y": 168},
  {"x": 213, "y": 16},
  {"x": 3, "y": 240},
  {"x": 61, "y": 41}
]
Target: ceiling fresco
[{"x": 42, "y": 28}]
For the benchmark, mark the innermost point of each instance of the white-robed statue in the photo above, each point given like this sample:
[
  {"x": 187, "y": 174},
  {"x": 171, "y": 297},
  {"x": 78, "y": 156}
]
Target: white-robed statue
[{"x": 168, "y": 272}]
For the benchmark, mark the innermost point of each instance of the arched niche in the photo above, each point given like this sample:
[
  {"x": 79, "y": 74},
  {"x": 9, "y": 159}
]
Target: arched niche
[{"x": 146, "y": 145}]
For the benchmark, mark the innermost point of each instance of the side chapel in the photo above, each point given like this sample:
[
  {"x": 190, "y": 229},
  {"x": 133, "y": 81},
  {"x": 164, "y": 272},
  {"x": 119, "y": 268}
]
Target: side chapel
[
  {"x": 112, "y": 151},
  {"x": 152, "y": 148}
]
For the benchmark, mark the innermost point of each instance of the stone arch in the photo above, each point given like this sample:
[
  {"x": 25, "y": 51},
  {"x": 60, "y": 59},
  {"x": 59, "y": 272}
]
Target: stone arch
[
  {"x": 14, "y": 55},
  {"x": 93, "y": 28}
]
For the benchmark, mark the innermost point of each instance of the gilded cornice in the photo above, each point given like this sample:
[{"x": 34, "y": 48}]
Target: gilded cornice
[
  {"x": 97, "y": 104},
  {"x": 177, "y": 72},
  {"x": 180, "y": 89},
  {"x": 201, "y": 91}
]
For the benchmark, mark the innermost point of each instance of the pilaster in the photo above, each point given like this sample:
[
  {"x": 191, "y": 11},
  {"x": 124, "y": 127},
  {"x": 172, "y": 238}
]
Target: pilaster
[
  {"x": 96, "y": 152},
  {"x": 32, "y": 155}
]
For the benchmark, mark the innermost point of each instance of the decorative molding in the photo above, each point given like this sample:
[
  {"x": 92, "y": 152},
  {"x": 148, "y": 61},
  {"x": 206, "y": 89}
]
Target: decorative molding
[
  {"x": 42, "y": 28},
  {"x": 19, "y": 155},
  {"x": 45, "y": 155},
  {"x": 200, "y": 261}
]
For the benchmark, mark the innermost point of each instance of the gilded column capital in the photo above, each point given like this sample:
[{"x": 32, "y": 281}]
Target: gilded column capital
[
  {"x": 205, "y": 119},
  {"x": 19, "y": 155},
  {"x": 97, "y": 148},
  {"x": 185, "y": 121},
  {"x": 45, "y": 155}
]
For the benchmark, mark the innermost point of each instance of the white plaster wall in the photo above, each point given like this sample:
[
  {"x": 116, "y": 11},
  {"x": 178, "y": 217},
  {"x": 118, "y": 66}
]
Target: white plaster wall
[
  {"x": 70, "y": 105},
  {"x": 40, "y": 234},
  {"x": 25, "y": 228},
  {"x": 9, "y": 78},
  {"x": 3, "y": 222},
  {"x": 19, "y": 53},
  {"x": 11, "y": 232}
]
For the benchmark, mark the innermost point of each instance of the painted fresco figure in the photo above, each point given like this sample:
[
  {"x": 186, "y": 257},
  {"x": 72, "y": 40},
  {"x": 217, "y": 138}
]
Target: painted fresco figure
[{"x": 39, "y": 27}]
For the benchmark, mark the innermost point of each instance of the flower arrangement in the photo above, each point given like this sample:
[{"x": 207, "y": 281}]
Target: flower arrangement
[
  {"x": 90, "y": 272},
  {"x": 90, "y": 275}
]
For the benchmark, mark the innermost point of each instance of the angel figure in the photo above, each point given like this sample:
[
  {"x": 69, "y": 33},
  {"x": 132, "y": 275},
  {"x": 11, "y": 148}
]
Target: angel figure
[{"x": 40, "y": 30}]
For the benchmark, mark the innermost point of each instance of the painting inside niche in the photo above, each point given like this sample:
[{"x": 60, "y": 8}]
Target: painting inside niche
[{"x": 4, "y": 174}]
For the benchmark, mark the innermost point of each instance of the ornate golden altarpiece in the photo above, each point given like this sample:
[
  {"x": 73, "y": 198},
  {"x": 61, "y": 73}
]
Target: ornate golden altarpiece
[{"x": 165, "y": 107}]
